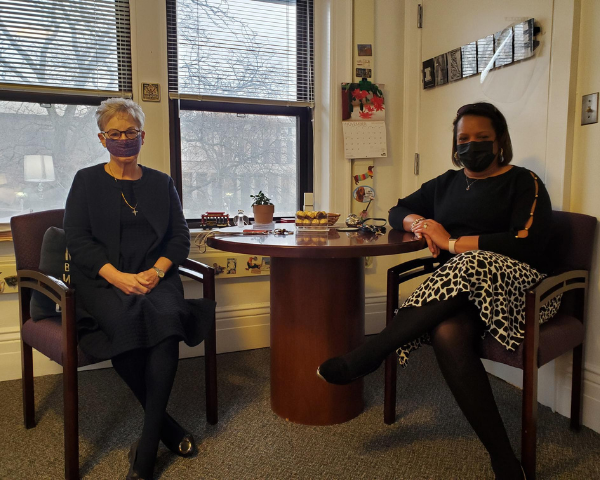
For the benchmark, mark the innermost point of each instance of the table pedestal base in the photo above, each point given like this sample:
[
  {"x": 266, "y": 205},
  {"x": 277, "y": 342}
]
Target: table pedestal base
[{"x": 317, "y": 312}]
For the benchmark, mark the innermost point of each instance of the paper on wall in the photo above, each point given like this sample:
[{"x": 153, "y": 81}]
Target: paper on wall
[{"x": 364, "y": 139}]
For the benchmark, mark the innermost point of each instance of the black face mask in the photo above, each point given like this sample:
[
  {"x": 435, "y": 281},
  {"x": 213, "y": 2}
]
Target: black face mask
[{"x": 476, "y": 156}]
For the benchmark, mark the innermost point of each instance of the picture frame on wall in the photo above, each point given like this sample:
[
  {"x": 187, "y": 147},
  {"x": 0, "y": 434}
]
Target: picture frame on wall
[
  {"x": 454, "y": 65},
  {"x": 485, "y": 52},
  {"x": 503, "y": 46},
  {"x": 441, "y": 69},
  {"x": 468, "y": 54},
  {"x": 523, "y": 40},
  {"x": 151, "y": 92},
  {"x": 428, "y": 74}
]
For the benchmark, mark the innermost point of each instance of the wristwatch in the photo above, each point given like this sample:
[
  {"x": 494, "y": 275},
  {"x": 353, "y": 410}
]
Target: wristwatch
[
  {"x": 451, "y": 243},
  {"x": 159, "y": 272}
]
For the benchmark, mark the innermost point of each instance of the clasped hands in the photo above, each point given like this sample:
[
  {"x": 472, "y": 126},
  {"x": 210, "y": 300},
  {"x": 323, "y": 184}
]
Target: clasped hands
[
  {"x": 435, "y": 235},
  {"x": 136, "y": 283}
]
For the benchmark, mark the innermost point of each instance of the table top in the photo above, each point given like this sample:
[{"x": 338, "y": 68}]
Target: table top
[{"x": 331, "y": 244}]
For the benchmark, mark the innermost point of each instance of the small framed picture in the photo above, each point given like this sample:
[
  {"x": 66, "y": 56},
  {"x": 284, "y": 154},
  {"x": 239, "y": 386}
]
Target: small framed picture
[
  {"x": 428, "y": 73},
  {"x": 441, "y": 69},
  {"x": 454, "y": 65},
  {"x": 365, "y": 50},
  {"x": 363, "y": 72},
  {"x": 151, "y": 92}
]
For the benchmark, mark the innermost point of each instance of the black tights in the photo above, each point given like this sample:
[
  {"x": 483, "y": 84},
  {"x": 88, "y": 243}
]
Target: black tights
[
  {"x": 149, "y": 373},
  {"x": 454, "y": 328}
]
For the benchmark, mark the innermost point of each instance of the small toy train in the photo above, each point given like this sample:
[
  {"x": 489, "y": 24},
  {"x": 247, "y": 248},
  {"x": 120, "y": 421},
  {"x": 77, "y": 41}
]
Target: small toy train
[{"x": 215, "y": 220}]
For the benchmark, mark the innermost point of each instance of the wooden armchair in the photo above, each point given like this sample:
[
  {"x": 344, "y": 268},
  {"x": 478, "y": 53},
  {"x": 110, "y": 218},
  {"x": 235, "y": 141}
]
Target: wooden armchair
[
  {"x": 572, "y": 243},
  {"x": 56, "y": 337}
]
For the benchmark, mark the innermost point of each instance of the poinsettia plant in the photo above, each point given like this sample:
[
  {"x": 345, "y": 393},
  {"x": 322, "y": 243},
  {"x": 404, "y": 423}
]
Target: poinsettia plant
[{"x": 368, "y": 95}]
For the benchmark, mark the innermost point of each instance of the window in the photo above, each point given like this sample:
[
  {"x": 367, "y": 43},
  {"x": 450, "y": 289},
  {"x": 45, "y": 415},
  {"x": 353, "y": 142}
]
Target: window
[
  {"x": 58, "y": 61},
  {"x": 240, "y": 84}
]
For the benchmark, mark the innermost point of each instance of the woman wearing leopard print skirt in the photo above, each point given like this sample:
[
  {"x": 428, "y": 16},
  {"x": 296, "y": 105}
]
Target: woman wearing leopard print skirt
[{"x": 488, "y": 223}]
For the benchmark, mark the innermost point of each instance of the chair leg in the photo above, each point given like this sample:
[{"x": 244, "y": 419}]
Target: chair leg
[
  {"x": 529, "y": 421},
  {"x": 71, "y": 419},
  {"x": 27, "y": 384},
  {"x": 576, "y": 388},
  {"x": 389, "y": 402},
  {"x": 210, "y": 365}
]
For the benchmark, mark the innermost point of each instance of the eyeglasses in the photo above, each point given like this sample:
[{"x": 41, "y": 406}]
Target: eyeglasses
[{"x": 113, "y": 134}]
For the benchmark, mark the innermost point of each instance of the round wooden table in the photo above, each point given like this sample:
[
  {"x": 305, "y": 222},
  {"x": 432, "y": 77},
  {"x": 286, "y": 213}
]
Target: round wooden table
[{"x": 317, "y": 312}]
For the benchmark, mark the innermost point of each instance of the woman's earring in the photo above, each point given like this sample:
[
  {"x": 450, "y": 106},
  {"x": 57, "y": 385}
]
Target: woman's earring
[
  {"x": 501, "y": 155},
  {"x": 455, "y": 156}
]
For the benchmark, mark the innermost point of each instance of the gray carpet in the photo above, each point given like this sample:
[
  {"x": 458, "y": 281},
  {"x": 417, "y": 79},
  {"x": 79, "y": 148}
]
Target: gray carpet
[{"x": 431, "y": 439}]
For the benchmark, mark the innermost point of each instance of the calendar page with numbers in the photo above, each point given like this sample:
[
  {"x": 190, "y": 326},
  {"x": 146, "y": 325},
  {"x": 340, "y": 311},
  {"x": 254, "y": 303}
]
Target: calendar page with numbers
[{"x": 364, "y": 139}]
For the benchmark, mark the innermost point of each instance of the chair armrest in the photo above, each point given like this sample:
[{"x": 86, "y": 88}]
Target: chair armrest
[
  {"x": 201, "y": 273},
  {"x": 558, "y": 283},
  {"x": 59, "y": 293},
  {"x": 47, "y": 285},
  {"x": 413, "y": 269}
]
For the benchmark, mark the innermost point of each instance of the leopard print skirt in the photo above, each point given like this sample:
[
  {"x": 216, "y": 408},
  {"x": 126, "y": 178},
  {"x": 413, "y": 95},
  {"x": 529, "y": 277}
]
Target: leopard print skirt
[{"x": 496, "y": 284}]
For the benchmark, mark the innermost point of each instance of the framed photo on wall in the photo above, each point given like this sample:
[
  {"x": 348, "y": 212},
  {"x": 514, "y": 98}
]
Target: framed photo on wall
[
  {"x": 428, "y": 74},
  {"x": 151, "y": 92},
  {"x": 454, "y": 65},
  {"x": 441, "y": 69}
]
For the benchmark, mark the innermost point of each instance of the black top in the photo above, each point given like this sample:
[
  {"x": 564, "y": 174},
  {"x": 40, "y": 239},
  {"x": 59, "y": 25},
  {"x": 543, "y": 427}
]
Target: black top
[
  {"x": 100, "y": 229},
  {"x": 137, "y": 235},
  {"x": 495, "y": 208},
  {"x": 93, "y": 222}
]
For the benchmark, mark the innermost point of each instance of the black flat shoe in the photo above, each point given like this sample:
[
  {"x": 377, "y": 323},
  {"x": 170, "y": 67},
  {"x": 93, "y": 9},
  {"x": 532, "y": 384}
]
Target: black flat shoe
[
  {"x": 185, "y": 448},
  {"x": 335, "y": 371},
  {"x": 132, "y": 474}
]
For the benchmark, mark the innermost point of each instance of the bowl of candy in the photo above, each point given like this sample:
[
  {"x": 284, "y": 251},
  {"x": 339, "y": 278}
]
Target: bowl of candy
[{"x": 311, "y": 221}]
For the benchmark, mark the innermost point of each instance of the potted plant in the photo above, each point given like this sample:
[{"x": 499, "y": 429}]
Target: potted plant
[{"x": 262, "y": 207}]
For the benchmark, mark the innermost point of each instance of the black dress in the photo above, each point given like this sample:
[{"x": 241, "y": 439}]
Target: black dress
[{"x": 111, "y": 322}]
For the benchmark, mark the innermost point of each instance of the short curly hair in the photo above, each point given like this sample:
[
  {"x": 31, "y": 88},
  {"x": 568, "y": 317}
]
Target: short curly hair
[
  {"x": 115, "y": 106},
  {"x": 483, "y": 109}
]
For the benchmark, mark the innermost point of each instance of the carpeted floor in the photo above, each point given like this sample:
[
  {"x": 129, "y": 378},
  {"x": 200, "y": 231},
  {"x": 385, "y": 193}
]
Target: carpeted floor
[{"x": 431, "y": 439}]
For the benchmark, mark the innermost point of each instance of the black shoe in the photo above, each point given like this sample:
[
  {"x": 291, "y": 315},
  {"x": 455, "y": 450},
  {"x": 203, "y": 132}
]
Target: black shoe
[
  {"x": 132, "y": 474},
  {"x": 185, "y": 448},
  {"x": 335, "y": 371}
]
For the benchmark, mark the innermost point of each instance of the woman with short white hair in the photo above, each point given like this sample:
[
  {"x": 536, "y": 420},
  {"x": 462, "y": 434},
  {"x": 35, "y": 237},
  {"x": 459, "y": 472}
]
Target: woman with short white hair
[{"x": 126, "y": 233}]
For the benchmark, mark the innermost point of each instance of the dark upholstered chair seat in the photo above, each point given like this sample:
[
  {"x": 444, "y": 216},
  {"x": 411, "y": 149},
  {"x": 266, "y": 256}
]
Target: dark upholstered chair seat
[
  {"x": 46, "y": 337},
  {"x": 557, "y": 337}
]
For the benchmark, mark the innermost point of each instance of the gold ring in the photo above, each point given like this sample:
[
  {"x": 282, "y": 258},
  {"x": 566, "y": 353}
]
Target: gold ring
[{"x": 424, "y": 225}]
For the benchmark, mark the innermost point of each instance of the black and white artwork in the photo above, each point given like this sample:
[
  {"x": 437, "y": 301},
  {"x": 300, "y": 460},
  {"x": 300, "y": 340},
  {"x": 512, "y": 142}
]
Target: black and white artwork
[
  {"x": 454, "y": 65},
  {"x": 503, "y": 47},
  {"x": 523, "y": 33},
  {"x": 468, "y": 55},
  {"x": 497, "y": 50},
  {"x": 485, "y": 52},
  {"x": 428, "y": 73},
  {"x": 441, "y": 69}
]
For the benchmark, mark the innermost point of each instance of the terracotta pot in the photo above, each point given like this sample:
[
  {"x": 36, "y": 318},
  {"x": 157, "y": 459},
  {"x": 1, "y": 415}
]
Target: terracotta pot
[{"x": 263, "y": 213}]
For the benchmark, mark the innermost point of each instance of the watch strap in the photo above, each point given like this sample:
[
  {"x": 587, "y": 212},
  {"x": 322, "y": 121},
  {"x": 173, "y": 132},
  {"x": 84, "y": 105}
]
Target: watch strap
[
  {"x": 159, "y": 272},
  {"x": 451, "y": 244}
]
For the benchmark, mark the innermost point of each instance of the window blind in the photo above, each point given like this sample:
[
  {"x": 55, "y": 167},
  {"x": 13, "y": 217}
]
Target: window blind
[
  {"x": 250, "y": 51},
  {"x": 66, "y": 45}
]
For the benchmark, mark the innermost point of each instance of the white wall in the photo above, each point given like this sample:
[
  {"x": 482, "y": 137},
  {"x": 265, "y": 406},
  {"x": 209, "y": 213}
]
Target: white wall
[{"x": 585, "y": 198}]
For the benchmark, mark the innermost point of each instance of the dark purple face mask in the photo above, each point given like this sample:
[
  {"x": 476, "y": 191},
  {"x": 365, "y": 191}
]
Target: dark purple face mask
[{"x": 124, "y": 148}]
